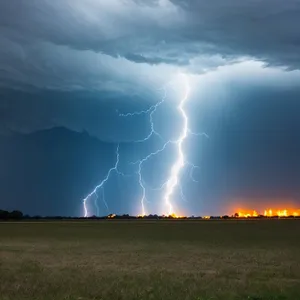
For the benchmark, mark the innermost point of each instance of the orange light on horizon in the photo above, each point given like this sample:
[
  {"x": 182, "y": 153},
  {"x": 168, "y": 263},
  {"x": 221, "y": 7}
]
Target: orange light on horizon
[
  {"x": 270, "y": 213},
  {"x": 247, "y": 214},
  {"x": 281, "y": 213},
  {"x": 176, "y": 216}
]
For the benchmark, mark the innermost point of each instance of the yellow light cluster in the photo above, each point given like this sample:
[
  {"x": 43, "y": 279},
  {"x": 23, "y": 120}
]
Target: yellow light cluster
[
  {"x": 280, "y": 213},
  {"x": 270, "y": 213},
  {"x": 176, "y": 217},
  {"x": 248, "y": 214}
]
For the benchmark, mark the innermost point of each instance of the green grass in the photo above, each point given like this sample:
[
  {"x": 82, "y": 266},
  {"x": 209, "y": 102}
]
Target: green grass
[{"x": 130, "y": 260}]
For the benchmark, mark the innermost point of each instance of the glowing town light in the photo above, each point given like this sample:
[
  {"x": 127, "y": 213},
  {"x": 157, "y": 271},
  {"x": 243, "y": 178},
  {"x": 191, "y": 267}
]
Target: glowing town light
[
  {"x": 283, "y": 213},
  {"x": 268, "y": 213},
  {"x": 241, "y": 214}
]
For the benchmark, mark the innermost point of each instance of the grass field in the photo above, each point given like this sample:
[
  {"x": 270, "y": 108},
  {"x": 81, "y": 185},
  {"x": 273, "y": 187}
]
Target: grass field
[{"x": 254, "y": 259}]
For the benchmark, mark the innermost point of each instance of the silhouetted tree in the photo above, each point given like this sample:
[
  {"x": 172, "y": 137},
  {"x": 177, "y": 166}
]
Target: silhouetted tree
[
  {"x": 4, "y": 214},
  {"x": 16, "y": 215}
]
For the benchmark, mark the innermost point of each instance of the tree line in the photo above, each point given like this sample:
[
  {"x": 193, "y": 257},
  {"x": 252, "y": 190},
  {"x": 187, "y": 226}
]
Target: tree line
[
  {"x": 18, "y": 215},
  {"x": 11, "y": 215}
]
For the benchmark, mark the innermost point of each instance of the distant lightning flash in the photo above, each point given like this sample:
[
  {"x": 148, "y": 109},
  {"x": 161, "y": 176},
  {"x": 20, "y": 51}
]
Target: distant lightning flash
[{"x": 101, "y": 185}]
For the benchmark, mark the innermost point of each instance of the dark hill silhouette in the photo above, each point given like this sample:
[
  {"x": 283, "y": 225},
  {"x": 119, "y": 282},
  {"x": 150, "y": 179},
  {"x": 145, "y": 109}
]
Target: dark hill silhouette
[{"x": 49, "y": 171}]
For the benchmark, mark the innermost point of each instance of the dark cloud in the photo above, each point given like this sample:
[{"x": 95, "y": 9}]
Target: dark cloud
[
  {"x": 137, "y": 58},
  {"x": 161, "y": 31},
  {"x": 75, "y": 45},
  {"x": 266, "y": 30}
]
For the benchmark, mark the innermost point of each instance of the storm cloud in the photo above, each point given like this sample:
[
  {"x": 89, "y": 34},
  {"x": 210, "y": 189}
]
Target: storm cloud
[
  {"x": 171, "y": 32},
  {"x": 123, "y": 49}
]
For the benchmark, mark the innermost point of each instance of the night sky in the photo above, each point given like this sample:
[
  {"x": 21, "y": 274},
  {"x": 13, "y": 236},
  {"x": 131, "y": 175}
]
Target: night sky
[{"x": 70, "y": 68}]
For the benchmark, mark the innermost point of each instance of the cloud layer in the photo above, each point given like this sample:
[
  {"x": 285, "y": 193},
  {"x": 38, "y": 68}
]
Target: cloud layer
[
  {"x": 73, "y": 37},
  {"x": 124, "y": 50}
]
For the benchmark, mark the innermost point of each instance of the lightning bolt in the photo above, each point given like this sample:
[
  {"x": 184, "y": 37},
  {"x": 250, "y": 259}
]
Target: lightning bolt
[
  {"x": 140, "y": 177},
  {"x": 151, "y": 110},
  {"x": 192, "y": 168},
  {"x": 180, "y": 161},
  {"x": 103, "y": 200},
  {"x": 103, "y": 197},
  {"x": 96, "y": 203},
  {"x": 173, "y": 181},
  {"x": 101, "y": 185}
]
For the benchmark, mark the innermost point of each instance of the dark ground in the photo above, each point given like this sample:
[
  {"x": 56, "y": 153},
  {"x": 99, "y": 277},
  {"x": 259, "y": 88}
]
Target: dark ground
[{"x": 128, "y": 260}]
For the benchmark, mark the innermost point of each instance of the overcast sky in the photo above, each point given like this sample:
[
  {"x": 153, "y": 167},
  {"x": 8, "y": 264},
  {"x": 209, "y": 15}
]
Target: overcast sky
[{"x": 78, "y": 65}]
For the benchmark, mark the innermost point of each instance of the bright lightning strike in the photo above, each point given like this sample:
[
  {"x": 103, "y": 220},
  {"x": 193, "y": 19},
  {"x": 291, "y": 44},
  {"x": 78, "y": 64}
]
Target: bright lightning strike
[
  {"x": 101, "y": 185},
  {"x": 173, "y": 182},
  {"x": 180, "y": 161}
]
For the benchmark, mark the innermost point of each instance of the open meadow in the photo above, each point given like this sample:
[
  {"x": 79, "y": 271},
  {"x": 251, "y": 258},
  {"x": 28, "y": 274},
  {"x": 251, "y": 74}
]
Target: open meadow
[{"x": 139, "y": 259}]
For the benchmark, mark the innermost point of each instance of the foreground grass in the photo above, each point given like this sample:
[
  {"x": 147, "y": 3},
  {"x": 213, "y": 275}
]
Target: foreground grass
[{"x": 131, "y": 260}]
